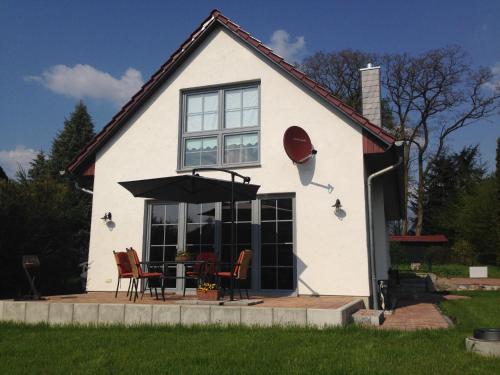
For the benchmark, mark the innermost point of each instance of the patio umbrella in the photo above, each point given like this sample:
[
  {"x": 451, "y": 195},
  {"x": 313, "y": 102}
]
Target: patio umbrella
[{"x": 197, "y": 189}]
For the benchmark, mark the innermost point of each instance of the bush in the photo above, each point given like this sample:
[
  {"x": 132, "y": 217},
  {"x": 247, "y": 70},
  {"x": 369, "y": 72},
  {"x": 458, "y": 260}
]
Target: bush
[{"x": 464, "y": 252}]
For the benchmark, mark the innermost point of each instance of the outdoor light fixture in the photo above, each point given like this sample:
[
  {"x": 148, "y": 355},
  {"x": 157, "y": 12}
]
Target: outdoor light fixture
[
  {"x": 337, "y": 205},
  {"x": 106, "y": 217}
]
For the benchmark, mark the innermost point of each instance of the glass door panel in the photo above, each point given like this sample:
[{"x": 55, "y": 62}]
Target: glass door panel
[
  {"x": 276, "y": 234},
  {"x": 200, "y": 231},
  {"x": 243, "y": 232},
  {"x": 163, "y": 234}
]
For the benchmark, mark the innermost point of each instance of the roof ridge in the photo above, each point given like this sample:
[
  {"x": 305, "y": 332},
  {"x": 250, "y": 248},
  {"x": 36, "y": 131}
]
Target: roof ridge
[{"x": 258, "y": 45}]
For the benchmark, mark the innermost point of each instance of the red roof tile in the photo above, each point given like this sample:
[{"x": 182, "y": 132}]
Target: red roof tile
[{"x": 85, "y": 156}]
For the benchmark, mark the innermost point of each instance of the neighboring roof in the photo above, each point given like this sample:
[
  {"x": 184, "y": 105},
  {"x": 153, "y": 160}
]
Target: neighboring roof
[
  {"x": 433, "y": 238},
  {"x": 217, "y": 18}
]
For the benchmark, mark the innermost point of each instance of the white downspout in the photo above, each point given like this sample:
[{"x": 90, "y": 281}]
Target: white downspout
[
  {"x": 83, "y": 189},
  {"x": 372, "y": 230},
  {"x": 78, "y": 187}
]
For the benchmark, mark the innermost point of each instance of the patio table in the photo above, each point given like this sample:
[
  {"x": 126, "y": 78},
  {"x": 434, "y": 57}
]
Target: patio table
[{"x": 168, "y": 265}]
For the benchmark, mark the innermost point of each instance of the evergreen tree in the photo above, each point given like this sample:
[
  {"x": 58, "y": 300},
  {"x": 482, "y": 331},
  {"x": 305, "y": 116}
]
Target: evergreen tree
[
  {"x": 450, "y": 176},
  {"x": 3, "y": 175},
  {"x": 497, "y": 175},
  {"x": 77, "y": 132},
  {"x": 42, "y": 213},
  {"x": 39, "y": 167},
  {"x": 472, "y": 219}
]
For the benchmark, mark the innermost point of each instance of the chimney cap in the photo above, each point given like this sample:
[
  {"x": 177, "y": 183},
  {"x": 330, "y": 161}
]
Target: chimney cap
[{"x": 370, "y": 67}]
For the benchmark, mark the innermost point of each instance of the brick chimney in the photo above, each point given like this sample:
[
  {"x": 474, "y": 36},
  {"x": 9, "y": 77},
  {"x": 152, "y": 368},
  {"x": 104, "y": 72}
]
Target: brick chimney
[{"x": 370, "y": 93}]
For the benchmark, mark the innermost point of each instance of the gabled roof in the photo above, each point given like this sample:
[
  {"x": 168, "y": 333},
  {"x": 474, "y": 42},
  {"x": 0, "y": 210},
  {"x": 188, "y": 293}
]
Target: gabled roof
[{"x": 374, "y": 134}]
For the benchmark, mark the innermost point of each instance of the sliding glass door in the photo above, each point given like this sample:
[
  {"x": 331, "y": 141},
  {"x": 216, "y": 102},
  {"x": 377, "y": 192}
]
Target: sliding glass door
[{"x": 265, "y": 226}]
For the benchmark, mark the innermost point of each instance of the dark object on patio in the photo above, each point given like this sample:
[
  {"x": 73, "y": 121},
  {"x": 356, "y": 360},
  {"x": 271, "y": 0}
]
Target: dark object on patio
[
  {"x": 139, "y": 274},
  {"x": 124, "y": 269},
  {"x": 30, "y": 264},
  {"x": 201, "y": 271},
  {"x": 487, "y": 334},
  {"x": 240, "y": 272},
  {"x": 196, "y": 189}
]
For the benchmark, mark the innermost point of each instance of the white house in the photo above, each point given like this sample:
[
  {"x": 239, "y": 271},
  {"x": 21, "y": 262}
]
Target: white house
[{"x": 224, "y": 99}]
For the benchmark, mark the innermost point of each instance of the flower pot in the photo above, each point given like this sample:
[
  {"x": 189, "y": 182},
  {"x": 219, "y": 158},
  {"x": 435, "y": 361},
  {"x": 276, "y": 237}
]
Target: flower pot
[
  {"x": 182, "y": 258},
  {"x": 209, "y": 295}
]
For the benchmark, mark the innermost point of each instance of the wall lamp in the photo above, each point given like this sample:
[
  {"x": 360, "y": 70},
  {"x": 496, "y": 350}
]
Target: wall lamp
[
  {"x": 107, "y": 216},
  {"x": 337, "y": 205}
]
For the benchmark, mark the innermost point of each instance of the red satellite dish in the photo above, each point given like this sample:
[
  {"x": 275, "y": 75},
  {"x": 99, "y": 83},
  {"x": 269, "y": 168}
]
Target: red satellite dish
[{"x": 298, "y": 145}]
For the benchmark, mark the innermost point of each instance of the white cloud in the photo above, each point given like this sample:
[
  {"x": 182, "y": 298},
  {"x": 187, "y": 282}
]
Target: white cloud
[
  {"x": 83, "y": 81},
  {"x": 11, "y": 160},
  {"x": 283, "y": 46}
]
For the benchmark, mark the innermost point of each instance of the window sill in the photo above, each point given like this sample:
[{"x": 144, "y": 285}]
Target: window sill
[{"x": 230, "y": 167}]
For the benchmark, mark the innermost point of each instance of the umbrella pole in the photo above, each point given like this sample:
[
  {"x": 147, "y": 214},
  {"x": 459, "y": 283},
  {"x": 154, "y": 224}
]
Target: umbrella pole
[{"x": 231, "y": 279}]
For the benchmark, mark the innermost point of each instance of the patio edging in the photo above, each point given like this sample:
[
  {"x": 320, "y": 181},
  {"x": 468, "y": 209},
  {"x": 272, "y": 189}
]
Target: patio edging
[{"x": 129, "y": 315}]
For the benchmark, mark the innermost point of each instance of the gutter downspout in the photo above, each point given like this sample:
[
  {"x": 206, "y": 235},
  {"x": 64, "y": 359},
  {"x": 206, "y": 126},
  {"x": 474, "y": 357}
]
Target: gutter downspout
[
  {"x": 371, "y": 229},
  {"x": 78, "y": 187},
  {"x": 83, "y": 189}
]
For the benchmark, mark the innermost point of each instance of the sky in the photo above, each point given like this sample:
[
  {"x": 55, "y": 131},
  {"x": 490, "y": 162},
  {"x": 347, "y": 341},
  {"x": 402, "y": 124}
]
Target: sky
[{"x": 54, "y": 53}]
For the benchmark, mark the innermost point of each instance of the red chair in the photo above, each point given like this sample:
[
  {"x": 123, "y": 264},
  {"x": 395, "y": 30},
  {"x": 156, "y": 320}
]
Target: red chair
[
  {"x": 201, "y": 270},
  {"x": 139, "y": 274},
  {"x": 124, "y": 270},
  {"x": 240, "y": 272}
]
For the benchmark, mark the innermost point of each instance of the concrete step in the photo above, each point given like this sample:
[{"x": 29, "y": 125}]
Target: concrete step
[{"x": 368, "y": 317}]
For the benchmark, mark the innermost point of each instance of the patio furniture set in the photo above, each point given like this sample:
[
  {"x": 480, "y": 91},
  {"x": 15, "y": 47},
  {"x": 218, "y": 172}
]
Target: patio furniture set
[{"x": 205, "y": 270}]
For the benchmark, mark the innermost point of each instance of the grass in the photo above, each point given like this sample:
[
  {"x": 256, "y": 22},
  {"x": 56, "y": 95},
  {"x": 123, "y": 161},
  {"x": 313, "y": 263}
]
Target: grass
[
  {"x": 232, "y": 350},
  {"x": 449, "y": 270}
]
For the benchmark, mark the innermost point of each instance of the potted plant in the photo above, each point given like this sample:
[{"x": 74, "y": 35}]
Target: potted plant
[
  {"x": 208, "y": 292},
  {"x": 182, "y": 256}
]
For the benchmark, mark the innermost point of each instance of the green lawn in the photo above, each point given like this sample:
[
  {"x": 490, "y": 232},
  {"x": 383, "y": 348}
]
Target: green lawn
[
  {"x": 449, "y": 270},
  {"x": 210, "y": 350}
]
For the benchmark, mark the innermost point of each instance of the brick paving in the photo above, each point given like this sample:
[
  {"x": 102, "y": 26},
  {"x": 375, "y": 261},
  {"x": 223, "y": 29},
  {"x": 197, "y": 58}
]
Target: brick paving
[
  {"x": 474, "y": 281},
  {"x": 418, "y": 314},
  {"x": 322, "y": 302}
]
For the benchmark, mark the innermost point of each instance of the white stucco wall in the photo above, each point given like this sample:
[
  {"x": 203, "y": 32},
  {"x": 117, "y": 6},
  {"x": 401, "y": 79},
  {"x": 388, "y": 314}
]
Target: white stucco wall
[{"x": 331, "y": 251}]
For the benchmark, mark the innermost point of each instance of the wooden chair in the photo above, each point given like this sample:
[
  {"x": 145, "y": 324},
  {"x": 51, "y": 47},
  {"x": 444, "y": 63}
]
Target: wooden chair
[
  {"x": 124, "y": 270},
  {"x": 139, "y": 274},
  {"x": 240, "y": 272},
  {"x": 201, "y": 270}
]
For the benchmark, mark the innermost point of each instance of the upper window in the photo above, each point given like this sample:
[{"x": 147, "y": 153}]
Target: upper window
[
  {"x": 241, "y": 108},
  {"x": 220, "y": 127},
  {"x": 202, "y": 112}
]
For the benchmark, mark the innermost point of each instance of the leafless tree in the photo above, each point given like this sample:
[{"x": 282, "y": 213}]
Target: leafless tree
[
  {"x": 426, "y": 98},
  {"x": 432, "y": 96}
]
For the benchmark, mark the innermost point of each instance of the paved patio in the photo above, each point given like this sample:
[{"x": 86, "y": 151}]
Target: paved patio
[
  {"x": 102, "y": 308},
  {"x": 99, "y": 307},
  {"x": 421, "y": 313},
  {"x": 322, "y": 302}
]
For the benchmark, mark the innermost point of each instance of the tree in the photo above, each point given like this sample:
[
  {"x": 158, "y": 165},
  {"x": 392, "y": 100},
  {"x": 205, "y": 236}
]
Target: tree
[
  {"x": 438, "y": 93},
  {"x": 339, "y": 72},
  {"x": 427, "y": 98},
  {"x": 497, "y": 175},
  {"x": 43, "y": 214},
  {"x": 39, "y": 167},
  {"x": 77, "y": 132},
  {"x": 450, "y": 175},
  {"x": 472, "y": 219},
  {"x": 3, "y": 175}
]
